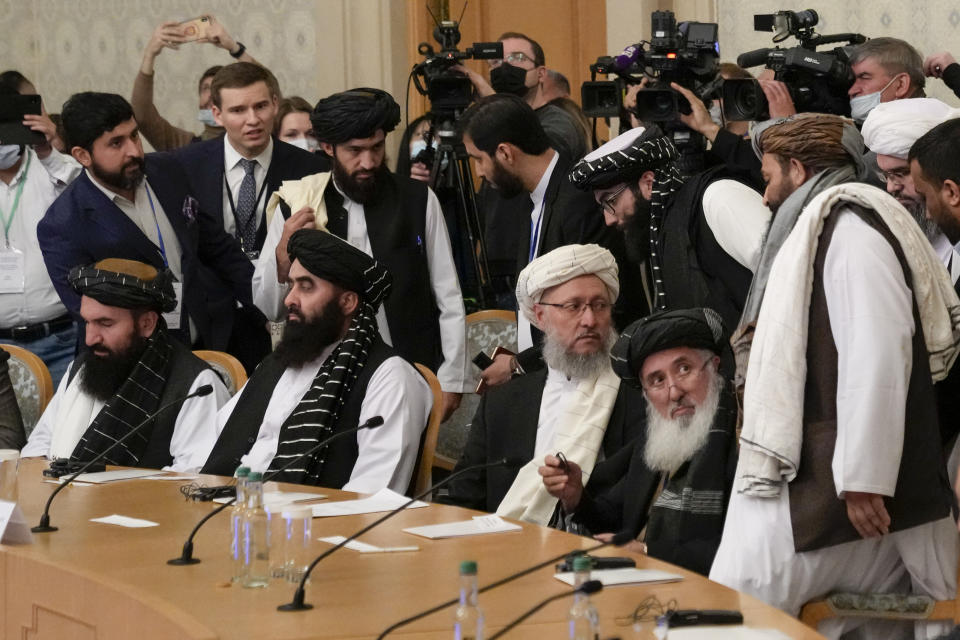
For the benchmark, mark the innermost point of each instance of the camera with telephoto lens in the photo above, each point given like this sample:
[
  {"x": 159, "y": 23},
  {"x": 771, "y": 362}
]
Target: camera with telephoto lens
[
  {"x": 449, "y": 91},
  {"x": 817, "y": 81}
]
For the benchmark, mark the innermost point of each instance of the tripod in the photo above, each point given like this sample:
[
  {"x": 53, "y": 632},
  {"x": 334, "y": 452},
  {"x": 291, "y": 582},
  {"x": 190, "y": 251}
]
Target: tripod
[{"x": 451, "y": 172}]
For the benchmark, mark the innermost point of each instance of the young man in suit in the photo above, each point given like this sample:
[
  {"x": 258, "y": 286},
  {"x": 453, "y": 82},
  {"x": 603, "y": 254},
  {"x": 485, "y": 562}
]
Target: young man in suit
[
  {"x": 127, "y": 205},
  {"x": 233, "y": 176}
]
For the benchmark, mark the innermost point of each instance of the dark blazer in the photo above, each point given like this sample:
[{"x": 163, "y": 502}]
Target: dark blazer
[
  {"x": 83, "y": 226},
  {"x": 505, "y": 426},
  {"x": 203, "y": 164}
]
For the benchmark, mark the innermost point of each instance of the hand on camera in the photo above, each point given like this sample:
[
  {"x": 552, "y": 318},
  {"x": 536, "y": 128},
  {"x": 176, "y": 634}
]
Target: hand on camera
[{"x": 699, "y": 118}]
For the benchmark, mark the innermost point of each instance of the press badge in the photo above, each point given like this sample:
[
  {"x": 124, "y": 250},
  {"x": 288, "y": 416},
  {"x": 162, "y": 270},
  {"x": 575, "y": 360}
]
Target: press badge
[
  {"x": 12, "y": 270},
  {"x": 172, "y": 318}
]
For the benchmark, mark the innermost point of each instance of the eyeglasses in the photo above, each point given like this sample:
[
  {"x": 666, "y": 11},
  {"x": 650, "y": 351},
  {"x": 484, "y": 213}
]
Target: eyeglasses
[
  {"x": 577, "y": 308},
  {"x": 896, "y": 176},
  {"x": 516, "y": 58},
  {"x": 684, "y": 374},
  {"x": 609, "y": 201}
]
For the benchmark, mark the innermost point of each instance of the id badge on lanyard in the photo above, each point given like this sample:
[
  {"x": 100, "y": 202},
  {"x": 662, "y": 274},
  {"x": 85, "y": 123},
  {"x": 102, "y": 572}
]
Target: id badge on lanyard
[{"x": 12, "y": 261}]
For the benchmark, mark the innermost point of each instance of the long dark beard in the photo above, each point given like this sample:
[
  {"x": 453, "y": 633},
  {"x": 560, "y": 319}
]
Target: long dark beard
[
  {"x": 360, "y": 191},
  {"x": 102, "y": 376},
  {"x": 505, "y": 182},
  {"x": 304, "y": 340},
  {"x": 129, "y": 177},
  {"x": 636, "y": 231}
]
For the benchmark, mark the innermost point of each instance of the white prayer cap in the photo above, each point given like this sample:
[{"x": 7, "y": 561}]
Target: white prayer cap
[
  {"x": 562, "y": 265},
  {"x": 892, "y": 127}
]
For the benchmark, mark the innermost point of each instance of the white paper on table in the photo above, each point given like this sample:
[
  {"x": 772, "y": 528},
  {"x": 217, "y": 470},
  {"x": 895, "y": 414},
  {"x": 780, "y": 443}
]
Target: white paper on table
[
  {"x": 113, "y": 476},
  {"x": 124, "y": 521},
  {"x": 383, "y": 500},
  {"x": 181, "y": 478},
  {"x": 726, "y": 632},
  {"x": 478, "y": 526},
  {"x": 623, "y": 575},
  {"x": 13, "y": 524},
  {"x": 364, "y": 547},
  {"x": 281, "y": 498}
]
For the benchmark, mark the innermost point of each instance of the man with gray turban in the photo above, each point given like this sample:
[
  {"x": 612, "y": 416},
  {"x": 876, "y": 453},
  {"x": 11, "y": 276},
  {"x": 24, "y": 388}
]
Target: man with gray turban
[
  {"x": 672, "y": 486},
  {"x": 129, "y": 368},
  {"x": 331, "y": 372},
  {"x": 576, "y": 406},
  {"x": 396, "y": 220},
  {"x": 841, "y": 483}
]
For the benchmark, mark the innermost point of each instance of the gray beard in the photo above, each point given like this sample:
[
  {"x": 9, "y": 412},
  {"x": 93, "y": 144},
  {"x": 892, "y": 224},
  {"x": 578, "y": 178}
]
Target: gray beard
[
  {"x": 673, "y": 441},
  {"x": 927, "y": 226},
  {"x": 575, "y": 365}
]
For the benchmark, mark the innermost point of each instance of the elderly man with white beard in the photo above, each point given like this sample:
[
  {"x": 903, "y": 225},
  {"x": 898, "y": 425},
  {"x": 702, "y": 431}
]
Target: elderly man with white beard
[{"x": 670, "y": 489}]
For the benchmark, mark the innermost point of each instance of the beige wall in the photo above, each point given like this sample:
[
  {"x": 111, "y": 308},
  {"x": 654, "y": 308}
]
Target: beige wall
[{"x": 315, "y": 47}]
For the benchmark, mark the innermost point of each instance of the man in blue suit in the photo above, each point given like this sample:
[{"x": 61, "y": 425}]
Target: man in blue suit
[
  {"x": 233, "y": 176},
  {"x": 125, "y": 205}
]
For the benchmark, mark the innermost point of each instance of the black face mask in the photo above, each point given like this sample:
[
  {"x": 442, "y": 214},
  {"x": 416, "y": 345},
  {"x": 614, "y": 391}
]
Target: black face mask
[{"x": 509, "y": 79}]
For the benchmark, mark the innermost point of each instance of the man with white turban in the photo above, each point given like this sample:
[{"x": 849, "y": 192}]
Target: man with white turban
[
  {"x": 889, "y": 131},
  {"x": 576, "y": 406}
]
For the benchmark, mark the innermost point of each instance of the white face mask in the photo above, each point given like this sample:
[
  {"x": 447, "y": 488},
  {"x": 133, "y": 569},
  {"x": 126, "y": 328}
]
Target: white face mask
[
  {"x": 9, "y": 154},
  {"x": 861, "y": 106},
  {"x": 206, "y": 117},
  {"x": 307, "y": 144},
  {"x": 420, "y": 145}
]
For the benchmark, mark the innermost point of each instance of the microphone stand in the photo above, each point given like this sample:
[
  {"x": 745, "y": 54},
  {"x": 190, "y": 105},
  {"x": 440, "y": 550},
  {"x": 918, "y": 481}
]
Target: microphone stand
[
  {"x": 44, "y": 526},
  {"x": 588, "y": 587},
  {"x": 186, "y": 554}
]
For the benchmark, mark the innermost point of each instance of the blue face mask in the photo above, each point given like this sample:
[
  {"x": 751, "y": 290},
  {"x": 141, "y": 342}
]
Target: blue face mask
[
  {"x": 9, "y": 154},
  {"x": 861, "y": 106},
  {"x": 418, "y": 146},
  {"x": 206, "y": 117}
]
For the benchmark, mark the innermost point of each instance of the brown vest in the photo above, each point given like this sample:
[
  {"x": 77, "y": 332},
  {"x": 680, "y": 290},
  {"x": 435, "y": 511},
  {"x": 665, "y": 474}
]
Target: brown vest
[{"x": 923, "y": 492}]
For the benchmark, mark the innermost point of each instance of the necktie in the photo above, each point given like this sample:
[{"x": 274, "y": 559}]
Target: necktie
[{"x": 246, "y": 206}]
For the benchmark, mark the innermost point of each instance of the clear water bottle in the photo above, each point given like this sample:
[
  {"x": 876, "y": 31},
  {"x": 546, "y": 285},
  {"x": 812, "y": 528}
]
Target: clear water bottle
[
  {"x": 256, "y": 546},
  {"x": 468, "y": 618},
  {"x": 236, "y": 524},
  {"x": 582, "y": 621}
]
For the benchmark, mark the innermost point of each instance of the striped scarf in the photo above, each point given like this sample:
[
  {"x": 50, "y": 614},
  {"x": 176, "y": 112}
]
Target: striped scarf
[
  {"x": 660, "y": 153},
  {"x": 136, "y": 399}
]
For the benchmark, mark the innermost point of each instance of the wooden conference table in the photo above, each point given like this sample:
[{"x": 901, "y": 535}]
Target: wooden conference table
[{"x": 93, "y": 580}]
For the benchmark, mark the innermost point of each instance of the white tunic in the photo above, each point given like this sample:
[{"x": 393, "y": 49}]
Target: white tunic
[
  {"x": 268, "y": 294},
  {"x": 387, "y": 454},
  {"x": 872, "y": 325},
  {"x": 194, "y": 432}
]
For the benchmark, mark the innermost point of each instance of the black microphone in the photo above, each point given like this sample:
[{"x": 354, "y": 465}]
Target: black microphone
[
  {"x": 186, "y": 554},
  {"x": 44, "y": 526},
  {"x": 588, "y": 587},
  {"x": 753, "y": 58},
  {"x": 618, "y": 540},
  {"x": 297, "y": 604}
]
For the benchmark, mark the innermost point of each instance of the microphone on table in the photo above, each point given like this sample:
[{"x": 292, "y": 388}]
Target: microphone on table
[
  {"x": 588, "y": 587},
  {"x": 618, "y": 540},
  {"x": 297, "y": 604},
  {"x": 186, "y": 554},
  {"x": 44, "y": 526}
]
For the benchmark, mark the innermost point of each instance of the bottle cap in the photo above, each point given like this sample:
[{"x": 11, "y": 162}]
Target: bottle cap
[
  {"x": 242, "y": 472},
  {"x": 582, "y": 563},
  {"x": 255, "y": 476},
  {"x": 468, "y": 568}
]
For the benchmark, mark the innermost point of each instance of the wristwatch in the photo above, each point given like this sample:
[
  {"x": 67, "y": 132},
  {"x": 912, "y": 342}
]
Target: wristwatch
[{"x": 241, "y": 48}]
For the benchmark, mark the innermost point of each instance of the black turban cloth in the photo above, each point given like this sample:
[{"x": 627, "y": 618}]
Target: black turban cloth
[
  {"x": 699, "y": 328},
  {"x": 328, "y": 257},
  {"x": 358, "y": 113},
  {"x": 625, "y": 159},
  {"x": 125, "y": 283}
]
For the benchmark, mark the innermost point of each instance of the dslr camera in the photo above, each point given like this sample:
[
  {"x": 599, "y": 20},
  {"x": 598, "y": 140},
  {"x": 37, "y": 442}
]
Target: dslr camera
[{"x": 817, "y": 81}]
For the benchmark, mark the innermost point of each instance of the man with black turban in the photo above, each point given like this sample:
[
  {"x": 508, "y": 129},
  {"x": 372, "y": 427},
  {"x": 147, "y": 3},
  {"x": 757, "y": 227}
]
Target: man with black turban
[
  {"x": 396, "y": 220},
  {"x": 129, "y": 368},
  {"x": 670, "y": 488},
  {"x": 331, "y": 372}
]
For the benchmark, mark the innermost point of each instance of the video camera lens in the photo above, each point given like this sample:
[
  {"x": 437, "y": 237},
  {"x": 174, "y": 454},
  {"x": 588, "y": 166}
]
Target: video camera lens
[{"x": 743, "y": 99}]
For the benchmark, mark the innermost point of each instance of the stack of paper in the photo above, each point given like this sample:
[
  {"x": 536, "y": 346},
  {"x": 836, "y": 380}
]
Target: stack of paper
[
  {"x": 479, "y": 525},
  {"x": 383, "y": 500},
  {"x": 625, "y": 575},
  {"x": 113, "y": 476},
  {"x": 363, "y": 547},
  {"x": 282, "y": 498}
]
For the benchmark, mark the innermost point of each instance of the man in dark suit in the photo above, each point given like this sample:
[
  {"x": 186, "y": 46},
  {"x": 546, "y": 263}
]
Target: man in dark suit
[
  {"x": 125, "y": 205},
  {"x": 233, "y": 176}
]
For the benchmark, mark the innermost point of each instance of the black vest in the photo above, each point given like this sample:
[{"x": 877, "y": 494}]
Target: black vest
[
  {"x": 243, "y": 425},
  {"x": 923, "y": 492},
  {"x": 183, "y": 372},
  {"x": 396, "y": 226},
  {"x": 697, "y": 272}
]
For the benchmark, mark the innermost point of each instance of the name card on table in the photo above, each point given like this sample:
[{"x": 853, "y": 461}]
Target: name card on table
[{"x": 13, "y": 525}]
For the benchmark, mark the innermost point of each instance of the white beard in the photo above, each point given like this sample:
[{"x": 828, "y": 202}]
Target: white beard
[
  {"x": 576, "y": 366},
  {"x": 673, "y": 441}
]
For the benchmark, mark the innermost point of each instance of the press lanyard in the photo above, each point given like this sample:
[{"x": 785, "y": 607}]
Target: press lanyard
[
  {"x": 233, "y": 207},
  {"x": 163, "y": 251},
  {"x": 535, "y": 235},
  {"x": 8, "y": 219}
]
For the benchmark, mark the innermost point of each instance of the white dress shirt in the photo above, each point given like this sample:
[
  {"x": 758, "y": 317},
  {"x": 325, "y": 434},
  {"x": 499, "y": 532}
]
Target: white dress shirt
[
  {"x": 43, "y": 182},
  {"x": 557, "y": 393},
  {"x": 268, "y": 294},
  {"x": 194, "y": 432},
  {"x": 524, "y": 336},
  {"x": 387, "y": 454},
  {"x": 738, "y": 219},
  {"x": 234, "y": 173}
]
